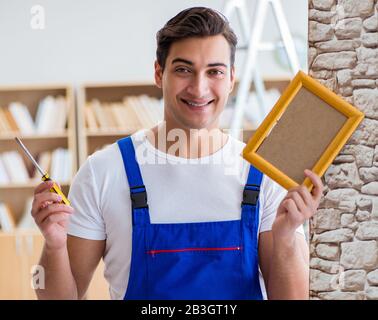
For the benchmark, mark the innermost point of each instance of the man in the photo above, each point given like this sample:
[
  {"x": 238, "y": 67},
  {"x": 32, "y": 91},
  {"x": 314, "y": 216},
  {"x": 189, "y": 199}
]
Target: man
[{"x": 175, "y": 212}]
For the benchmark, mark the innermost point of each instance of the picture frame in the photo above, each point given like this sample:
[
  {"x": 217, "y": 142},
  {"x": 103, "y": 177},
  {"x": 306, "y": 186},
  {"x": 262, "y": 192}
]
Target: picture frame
[{"x": 306, "y": 129}]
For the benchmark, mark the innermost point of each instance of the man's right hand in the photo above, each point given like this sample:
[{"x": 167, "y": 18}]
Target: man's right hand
[{"x": 51, "y": 216}]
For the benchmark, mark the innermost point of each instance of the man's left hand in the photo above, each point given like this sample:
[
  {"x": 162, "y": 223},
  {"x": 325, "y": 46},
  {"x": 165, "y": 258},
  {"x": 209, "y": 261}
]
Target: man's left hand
[{"x": 297, "y": 206}]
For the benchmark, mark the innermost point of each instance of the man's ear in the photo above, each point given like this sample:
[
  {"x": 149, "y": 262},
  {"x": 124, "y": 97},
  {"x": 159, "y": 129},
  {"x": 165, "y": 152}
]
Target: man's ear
[
  {"x": 232, "y": 79},
  {"x": 158, "y": 75}
]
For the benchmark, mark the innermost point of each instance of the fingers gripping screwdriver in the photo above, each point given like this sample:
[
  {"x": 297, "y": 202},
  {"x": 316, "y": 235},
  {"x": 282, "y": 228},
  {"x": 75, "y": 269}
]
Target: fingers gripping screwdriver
[{"x": 45, "y": 175}]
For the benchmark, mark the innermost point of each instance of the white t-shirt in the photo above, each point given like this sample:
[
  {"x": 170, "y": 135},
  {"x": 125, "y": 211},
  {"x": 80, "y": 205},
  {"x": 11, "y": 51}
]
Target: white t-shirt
[{"x": 178, "y": 190}]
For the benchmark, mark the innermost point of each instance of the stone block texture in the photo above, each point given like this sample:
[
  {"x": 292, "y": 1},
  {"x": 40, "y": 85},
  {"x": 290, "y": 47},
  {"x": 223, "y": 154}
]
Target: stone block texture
[{"x": 343, "y": 55}]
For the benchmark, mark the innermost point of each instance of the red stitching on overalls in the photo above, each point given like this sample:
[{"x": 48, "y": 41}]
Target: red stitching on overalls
[{"x": 192, "y": 249}]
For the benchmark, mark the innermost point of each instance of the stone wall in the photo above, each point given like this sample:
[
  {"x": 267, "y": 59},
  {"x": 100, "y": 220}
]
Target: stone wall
[{"x": 343, "y": 55}]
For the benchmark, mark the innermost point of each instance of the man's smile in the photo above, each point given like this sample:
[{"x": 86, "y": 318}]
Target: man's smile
[{"x": 196, "y": 103}]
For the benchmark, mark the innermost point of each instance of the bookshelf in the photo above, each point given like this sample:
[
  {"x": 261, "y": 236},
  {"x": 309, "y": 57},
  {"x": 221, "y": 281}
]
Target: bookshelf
[
  {"x": 16, "y": 194},
  {"x": 90, "y": 140},
  {"x": 21, "y": 248}
]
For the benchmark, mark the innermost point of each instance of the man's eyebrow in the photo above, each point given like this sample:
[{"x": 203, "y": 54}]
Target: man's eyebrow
[
  {"x": 216, "y": 64},
  {"x": 183, "y": 61}
]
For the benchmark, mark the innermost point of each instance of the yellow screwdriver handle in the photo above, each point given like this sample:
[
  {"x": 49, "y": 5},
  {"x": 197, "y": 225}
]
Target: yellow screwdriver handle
[{"x": 56, "y": 189}]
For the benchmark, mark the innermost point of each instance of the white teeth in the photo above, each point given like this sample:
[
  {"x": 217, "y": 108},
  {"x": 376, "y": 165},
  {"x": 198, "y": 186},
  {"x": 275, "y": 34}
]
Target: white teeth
[{"x": 196, "y": 104}]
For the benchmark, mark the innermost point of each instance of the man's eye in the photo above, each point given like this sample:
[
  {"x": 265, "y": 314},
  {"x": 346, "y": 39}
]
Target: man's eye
[
  {"x": 182, "y": 70},
  {"x": 216, "y": 72}
]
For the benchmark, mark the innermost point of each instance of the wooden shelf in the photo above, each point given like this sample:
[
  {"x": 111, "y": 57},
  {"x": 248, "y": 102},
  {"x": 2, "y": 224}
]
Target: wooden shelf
[
  {"x": 107, "y": 133},
  {"x": 11, "y": 136},
  {"x": 89, "y": 141},
  {"x": 21, "y": 249},
  {"x": 16, "y": 194}
]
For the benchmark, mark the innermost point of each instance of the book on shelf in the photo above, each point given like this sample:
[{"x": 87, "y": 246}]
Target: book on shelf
[
  {"x": 7, "y": 223},
  {"x": 15, "y": 167},
  {"x": 57, "y": 162},
  {"x": 110, "y": 117},
  {"x": 61, "y": 165},
  {"x": 90, "y": 118},
  {"x": 11, "y": 121},
  {"x": 100, "y": 115},
  {"x": 126, "y": 117},
  {"x": 62, "y": 105},
  {"x": 51, "y": 115},
  {"x": 67, "y": 166},
  {"x": 119, "y": 118},
  {"x": 27, "y": 221},
  {"x": 154, "y": 106},
  {"x": 44, "y": 161},
  {"x": 132, "y": 113},
  {"x": 4, "y": 125},
  {"x": 4, "y": 177},
  {"x": 142, "y": 112},
  {"x": 23, "y": 118},
  {"x": 8, "y": 124}
]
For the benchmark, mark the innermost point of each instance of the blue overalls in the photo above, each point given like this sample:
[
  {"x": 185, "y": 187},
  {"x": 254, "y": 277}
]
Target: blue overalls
[{"x": 201, "y": 260}]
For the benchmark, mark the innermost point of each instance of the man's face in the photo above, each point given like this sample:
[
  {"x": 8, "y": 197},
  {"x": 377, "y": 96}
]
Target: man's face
[{"x": 196, "y": 82}]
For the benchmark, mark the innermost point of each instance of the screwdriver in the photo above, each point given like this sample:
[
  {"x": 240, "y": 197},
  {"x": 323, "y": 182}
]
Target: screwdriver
[{"x": 45, "y": 175}]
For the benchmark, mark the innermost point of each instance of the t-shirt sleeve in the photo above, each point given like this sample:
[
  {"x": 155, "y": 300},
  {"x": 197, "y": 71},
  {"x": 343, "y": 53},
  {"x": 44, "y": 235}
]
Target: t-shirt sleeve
[
  {"x": 86, "y": 221},
  {"x": 273, "y": 194}
]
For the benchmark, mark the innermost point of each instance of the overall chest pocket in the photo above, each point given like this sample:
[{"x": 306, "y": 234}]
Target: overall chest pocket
[
  {"x": 194, "y": 272},
  {"x": 195, "y": 261}
]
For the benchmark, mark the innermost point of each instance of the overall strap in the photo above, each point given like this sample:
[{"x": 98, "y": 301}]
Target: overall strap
[
  {"x": 251, "y": 192},
  {"x": 138, "y": 193}
]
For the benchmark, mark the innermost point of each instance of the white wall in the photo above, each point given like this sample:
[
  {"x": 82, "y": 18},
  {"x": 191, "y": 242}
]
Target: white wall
[{"x": 100, "y": 41}]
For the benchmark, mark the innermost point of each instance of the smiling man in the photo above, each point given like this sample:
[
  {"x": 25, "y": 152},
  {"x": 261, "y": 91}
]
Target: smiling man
[
  {"x": 203, "y": 223},
  {"x": 197, "y": 79}
]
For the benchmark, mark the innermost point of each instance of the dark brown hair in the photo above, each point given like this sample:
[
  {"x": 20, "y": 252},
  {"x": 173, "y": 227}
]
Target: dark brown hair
[{"x": 193, "y": 22}]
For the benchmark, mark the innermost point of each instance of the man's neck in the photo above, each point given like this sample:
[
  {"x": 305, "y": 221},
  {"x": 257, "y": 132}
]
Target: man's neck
[{"x": 187, "y": 143}]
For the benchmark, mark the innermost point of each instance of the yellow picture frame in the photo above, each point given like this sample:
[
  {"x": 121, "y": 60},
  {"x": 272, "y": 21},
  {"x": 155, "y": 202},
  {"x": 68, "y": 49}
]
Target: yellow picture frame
[{"x": 347, "y": 116}]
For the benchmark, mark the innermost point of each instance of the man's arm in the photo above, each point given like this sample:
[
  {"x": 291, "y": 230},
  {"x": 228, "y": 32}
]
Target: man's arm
[
  {"x": 283, "y": 253},
  {"x": 69, "y": 270},
  {"x": 69, "y": 262},
  {"x": 284, "y": 267},
  {"x": 84, "y": 258}
]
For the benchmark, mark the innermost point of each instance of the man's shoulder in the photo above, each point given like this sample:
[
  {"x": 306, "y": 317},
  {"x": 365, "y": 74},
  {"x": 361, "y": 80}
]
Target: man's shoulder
[
  {"x": 110, "y": 155},
  {"x": 236, "y": 142},
  {"x": 104, "y": 155},
  {"x": 102, "y": 165}
]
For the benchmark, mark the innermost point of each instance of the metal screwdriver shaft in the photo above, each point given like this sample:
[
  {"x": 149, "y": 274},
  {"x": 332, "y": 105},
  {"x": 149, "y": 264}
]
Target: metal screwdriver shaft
[
  {"x": 45, "y": 175},
  {"x": 30, "y": 156}
]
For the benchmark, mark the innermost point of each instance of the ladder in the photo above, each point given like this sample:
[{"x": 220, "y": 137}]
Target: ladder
[{"x": 252, "y": 36}]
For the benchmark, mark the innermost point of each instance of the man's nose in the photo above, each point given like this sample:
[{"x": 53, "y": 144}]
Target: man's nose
[{"x": 199, "y": 86}]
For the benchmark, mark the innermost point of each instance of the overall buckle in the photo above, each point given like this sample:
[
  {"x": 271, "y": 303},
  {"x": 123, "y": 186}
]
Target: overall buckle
[
  {"x": 138, "y": 199},
  {"x": 251, "y": 196}
]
